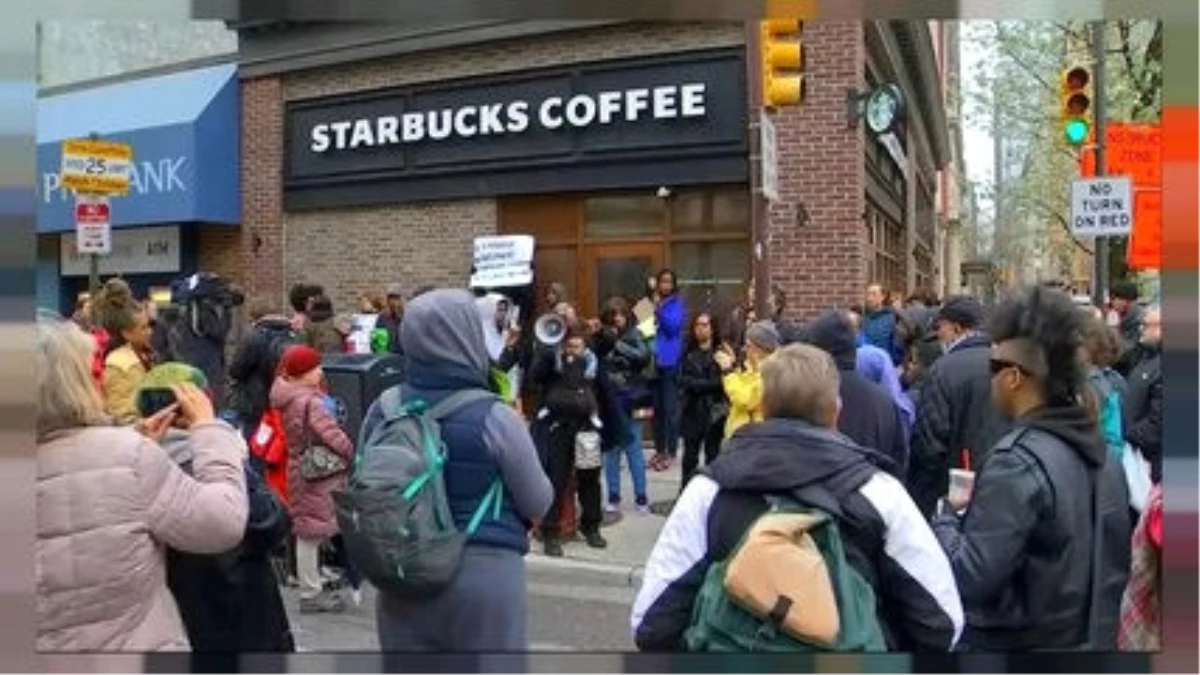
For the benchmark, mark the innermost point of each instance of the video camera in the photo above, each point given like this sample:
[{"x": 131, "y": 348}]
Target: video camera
[{"x": 206, "y": 288}]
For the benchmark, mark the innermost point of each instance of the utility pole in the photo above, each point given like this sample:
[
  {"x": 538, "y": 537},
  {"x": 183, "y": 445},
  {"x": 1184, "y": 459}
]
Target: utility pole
[
  {"x": 760, "y": 273},
  {"x": 1100, "y": 248},
  {"x": 93, "y": 258}
]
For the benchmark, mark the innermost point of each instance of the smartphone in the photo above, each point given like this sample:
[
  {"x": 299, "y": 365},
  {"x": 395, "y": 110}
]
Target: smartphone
[{"x": 153, "y": 401}]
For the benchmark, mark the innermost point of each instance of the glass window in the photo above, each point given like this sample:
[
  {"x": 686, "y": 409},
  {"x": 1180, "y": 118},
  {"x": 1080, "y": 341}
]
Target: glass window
[
  {"x": 624, "y": 217},
  {"x": 720, "y": 210},
  {"x": 712, "y": 275}
]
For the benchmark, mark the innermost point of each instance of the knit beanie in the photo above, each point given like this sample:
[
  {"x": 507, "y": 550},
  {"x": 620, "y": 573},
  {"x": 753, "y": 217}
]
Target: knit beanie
[
  {"x": 299, "y": 360},
  {"x": 763, "y": 335},
  {"x": 163, "y": 377}
]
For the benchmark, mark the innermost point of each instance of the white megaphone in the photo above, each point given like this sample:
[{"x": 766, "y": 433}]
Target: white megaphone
[{"x": 550, "y": 329}]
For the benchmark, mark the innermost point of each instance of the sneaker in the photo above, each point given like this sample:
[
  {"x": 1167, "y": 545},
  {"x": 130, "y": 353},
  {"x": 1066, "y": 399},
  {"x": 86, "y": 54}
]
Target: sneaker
[
  {"x": 324, "y": 602},
  {"x": 643, "y": 509},
  {"x": 356, "y": 596},
  {"x": 552, "y": 547},
  {"x": 612, "y": 507},
  {"x": 595, "y": 540}
]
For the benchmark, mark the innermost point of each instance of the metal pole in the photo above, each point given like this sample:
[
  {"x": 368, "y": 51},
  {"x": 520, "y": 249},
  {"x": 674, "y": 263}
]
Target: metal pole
[
  {"x": 759, "y": 275},
  {"x": 1100, "y": 270},
  {"x": 93, "y": 274},
  {"x": 93, "y": 258}
]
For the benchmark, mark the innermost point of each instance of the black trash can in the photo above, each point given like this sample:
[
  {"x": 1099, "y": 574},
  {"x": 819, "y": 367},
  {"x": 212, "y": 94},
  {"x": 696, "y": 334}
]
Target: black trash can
[{"x": 356, "y": 381}]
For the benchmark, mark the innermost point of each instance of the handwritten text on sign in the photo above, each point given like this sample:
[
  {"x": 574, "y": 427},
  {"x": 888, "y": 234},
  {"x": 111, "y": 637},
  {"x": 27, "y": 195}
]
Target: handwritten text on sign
[
  {"x": 502, "y": 261},
  {"x": 1101, "y": 207}
]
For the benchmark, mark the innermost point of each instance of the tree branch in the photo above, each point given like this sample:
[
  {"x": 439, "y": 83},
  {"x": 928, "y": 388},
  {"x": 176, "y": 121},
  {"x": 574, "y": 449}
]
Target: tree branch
[{"x": 1052, "y": 211}]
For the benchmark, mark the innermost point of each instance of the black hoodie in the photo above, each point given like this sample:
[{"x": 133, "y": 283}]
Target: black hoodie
[
  {"x": 869, "y": 415},
  {"x": 886, "y": 539},
  {"x": 1047, "y": 511}
]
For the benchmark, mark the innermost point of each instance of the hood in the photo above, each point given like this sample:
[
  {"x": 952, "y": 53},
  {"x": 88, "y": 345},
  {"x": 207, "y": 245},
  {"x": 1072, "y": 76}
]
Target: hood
[
  {"x": 284, "y": 392},
  {"x": 443, "y": 341},
  {"x": 833, "y": 333},
  {"x": 872, "y": 362},
  {"x": 779, "y": 455},
  {"x": 493, "y": 339},
  {"x": 1075, "y": 426}
]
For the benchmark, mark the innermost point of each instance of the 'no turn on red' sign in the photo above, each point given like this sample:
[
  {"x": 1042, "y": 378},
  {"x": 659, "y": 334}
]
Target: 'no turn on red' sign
[
  {"x": 1101, "y": 207},
  {"x": 93, "y": 225}
]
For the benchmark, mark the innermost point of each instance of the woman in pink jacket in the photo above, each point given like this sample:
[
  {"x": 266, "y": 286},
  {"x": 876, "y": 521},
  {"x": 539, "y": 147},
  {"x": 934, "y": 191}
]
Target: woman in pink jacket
[
  {"x": 109, "y": 499},
  {"x": 298, "y": 396}
]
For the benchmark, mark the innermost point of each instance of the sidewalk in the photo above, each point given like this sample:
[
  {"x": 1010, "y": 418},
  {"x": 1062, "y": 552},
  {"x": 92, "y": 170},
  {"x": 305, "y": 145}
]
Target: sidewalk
[{"x": 630, "y": 539}]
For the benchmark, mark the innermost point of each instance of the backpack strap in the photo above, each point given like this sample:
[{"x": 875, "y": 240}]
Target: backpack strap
[{"x": 493, "y": 499}]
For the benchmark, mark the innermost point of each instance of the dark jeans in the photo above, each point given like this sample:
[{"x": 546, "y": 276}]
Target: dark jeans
[
  {"x": 350, "y": 573},
  {"x": 711, "y": 444},
  {"x": 665, "y": 390},
  {"x": 560, "y": 463}
]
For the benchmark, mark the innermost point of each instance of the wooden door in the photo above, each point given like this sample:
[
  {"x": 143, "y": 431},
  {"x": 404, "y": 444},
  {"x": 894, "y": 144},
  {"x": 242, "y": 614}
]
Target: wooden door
[{"x": 617, "y": 270}]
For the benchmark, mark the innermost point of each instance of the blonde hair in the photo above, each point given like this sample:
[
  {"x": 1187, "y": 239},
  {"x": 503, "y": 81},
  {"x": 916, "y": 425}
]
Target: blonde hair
[
  {"x": 67, "y": 394},
  {"x": 800, "y": 381}
]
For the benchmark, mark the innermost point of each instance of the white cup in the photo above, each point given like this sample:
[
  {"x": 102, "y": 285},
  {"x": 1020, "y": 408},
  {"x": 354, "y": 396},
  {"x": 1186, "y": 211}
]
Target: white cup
[{"x": 962, "y": 482}]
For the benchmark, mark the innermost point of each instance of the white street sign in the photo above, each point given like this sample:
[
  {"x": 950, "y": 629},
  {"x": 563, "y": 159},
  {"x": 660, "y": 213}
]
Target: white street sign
[
  {"x": 93, "y": 225},
  {"x": 1101, "y": 207},
  {"x": 770, "y": 158}
]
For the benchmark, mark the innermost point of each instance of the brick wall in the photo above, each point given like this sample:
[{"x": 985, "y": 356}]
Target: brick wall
[
  {"x": 356, "y": 251},
  {"x": 514, "y": 55},
  {"x": 218, "y": 250},
  {"x": 821, "y": 165},
  {"x": 260, "y": 246}
]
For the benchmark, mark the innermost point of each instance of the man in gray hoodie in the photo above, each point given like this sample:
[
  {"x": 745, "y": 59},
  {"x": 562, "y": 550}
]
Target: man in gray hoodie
[{"x": 483, "y": 608}]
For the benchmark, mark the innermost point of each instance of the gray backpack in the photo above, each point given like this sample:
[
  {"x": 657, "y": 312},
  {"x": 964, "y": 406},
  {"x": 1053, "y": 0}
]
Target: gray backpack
[{"x": 393, "y": 515}]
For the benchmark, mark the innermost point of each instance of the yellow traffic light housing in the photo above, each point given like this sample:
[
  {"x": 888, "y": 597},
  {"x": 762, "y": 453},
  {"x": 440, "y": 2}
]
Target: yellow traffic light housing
[
  {"x": 1076, "y": 105},
  {"x": 781, "y": 52}
]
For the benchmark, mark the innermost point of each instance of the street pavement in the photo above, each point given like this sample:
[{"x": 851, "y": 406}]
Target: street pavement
[{"x": 580, "y": 602}]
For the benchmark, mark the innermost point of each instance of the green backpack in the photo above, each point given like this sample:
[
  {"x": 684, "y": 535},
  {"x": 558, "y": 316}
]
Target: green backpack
[{"x": 751, "y": 614}]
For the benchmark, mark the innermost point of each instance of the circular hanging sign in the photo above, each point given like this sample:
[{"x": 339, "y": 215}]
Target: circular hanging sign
[{"x": 884, "y": 108}]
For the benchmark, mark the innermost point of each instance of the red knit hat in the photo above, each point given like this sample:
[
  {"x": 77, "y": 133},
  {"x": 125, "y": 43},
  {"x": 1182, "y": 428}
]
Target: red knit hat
[{"x": 299, "y": 360}]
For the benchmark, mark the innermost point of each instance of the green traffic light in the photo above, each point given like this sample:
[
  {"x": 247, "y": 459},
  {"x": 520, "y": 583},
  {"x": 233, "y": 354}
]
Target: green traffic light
[{"x": 1076, "y": 131}]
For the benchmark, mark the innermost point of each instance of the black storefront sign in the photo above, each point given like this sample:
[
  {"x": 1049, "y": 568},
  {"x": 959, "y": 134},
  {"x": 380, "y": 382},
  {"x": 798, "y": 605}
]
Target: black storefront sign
[{"x": 667, "y": 120}]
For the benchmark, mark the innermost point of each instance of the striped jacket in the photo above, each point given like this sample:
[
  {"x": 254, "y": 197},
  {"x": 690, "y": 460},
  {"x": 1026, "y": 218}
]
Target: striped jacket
[{"x": 886, "y": 539}]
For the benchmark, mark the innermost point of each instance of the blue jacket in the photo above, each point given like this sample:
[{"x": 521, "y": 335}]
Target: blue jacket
[
  {"x": 668, "y": 340},
  {"x": 879, "y": 330},
  {"x": 445, "y": 353}
]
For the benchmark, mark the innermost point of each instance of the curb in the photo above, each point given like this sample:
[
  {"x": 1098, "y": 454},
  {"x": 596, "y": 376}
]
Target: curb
[{"x": 630, "y": 575}]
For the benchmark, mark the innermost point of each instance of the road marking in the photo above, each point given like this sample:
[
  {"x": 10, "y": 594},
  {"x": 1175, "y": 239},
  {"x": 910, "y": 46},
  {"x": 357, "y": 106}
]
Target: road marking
[{"x": 630, "y": 574}]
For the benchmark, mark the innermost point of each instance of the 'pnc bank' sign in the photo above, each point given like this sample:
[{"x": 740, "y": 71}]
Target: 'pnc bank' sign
[{"x": 163, "y": 176}]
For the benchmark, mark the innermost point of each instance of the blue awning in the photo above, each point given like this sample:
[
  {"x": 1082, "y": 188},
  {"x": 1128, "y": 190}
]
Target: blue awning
[{"x": 185, "y": 133}]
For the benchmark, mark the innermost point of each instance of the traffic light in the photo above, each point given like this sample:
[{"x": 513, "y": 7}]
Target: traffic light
[
  {"x": 1076, "y": 105},
  {"x": 781, "y": 52}
]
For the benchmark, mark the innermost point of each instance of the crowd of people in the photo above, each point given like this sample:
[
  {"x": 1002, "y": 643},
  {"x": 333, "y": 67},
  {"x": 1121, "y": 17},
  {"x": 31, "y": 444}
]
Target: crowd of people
[{"x": 974, "y": 460}]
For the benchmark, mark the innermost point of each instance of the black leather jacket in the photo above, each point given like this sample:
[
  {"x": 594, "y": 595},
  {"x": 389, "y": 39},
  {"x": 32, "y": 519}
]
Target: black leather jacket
[{"x": 1024, "y": 550}]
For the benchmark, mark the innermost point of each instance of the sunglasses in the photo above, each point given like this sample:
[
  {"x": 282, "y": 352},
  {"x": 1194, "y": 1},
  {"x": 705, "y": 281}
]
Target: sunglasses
[{"x": 997, "y": 366}]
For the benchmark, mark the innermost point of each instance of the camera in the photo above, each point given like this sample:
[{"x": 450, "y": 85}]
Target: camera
[
  {"x": 152, "y": 401},
  {"x": 208, "y": 288}
]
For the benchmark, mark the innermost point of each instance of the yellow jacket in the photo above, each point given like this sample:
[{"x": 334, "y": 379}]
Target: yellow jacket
[
  {"x": 744, "y": 389},
  {"x": 123, "y": 374}
]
